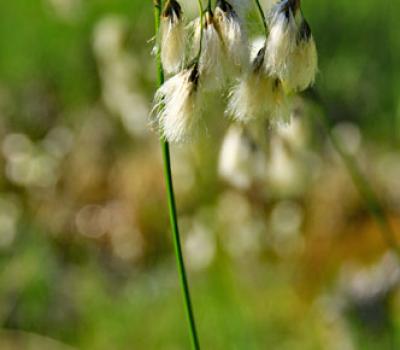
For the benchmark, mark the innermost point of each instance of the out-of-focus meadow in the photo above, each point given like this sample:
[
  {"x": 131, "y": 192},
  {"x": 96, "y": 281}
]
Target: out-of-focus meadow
[{"x": 282, "y": 251}]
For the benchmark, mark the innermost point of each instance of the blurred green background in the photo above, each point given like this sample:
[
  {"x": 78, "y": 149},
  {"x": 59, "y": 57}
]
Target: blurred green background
[{"x": 282, "y": 252}]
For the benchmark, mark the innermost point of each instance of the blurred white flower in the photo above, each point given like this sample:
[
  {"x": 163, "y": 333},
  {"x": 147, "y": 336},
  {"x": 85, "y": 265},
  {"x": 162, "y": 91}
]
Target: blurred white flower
[
  {"x": 286, "y": 173},
  {"x": 241, "y": 225},
  {"x": 240, "y": 160},
  {"x": 285, "y": 222},
  {"x": 9, "y": 215},
  {"x": 28, "y": 165},
  {"x": 349, "y": 136},
  {"x": 68, "y": 10},
  {"x": 200, "y": 246},
  {"x": 118, "y": 72}
]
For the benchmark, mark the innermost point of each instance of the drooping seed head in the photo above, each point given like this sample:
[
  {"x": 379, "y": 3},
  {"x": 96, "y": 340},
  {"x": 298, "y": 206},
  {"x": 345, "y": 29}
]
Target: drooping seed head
[
  {"x": 233, "y": 35},
  {"x": 303, "y": 65},
  {"x": 172, "y": 37},
  {"x": 291, "y": 52},
  {"x": 211, "y": 57},
  {"x": 257, "y": 95},
  {"x": 176, "y": 106},
  {"x": 172, "y": 11}
]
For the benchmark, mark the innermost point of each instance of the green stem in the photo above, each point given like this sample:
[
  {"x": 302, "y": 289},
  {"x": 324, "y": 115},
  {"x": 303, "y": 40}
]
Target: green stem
[
  {"x": 262, "y": 15},
  {"x": 171, "y": 200},
  {"x": 201, "y": 16},
  {"x": 360, "y": 181}
]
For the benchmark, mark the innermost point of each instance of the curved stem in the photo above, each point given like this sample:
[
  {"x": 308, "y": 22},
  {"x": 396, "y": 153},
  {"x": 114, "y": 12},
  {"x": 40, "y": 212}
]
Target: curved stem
[
  {"x": 361, "y": 183},
  {"x": 201, "y": 18},
  {"x": 171, "y": 200},
  {"x": 262, "y": 15}
]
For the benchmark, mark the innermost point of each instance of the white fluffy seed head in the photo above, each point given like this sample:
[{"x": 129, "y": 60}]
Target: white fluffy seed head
[
  {"x": 291, "y": 53},
  {"x": 258, "y": 95},
  {"x": 211, "y": 58},
  {"x": 303, "y": 65},
  {"x": 282, "y": 37},
  {"x": 176, "y": 108},
  {"x": 232, "y": 33},
  {"x": 172, "y": 38}
]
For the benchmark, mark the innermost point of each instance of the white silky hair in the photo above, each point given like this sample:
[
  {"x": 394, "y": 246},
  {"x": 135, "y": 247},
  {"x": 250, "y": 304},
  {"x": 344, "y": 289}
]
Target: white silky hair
[
  {"x": 233, "y": 35},
  {"x": 302, "y": 68},
  {"x": 172, "y": 43},
  {"x": 289, "y": 55},
  {"x": 175, "y": 110},
  {"x": 211, "y": 57},
  {"x": 281, "y": 40},
  {"x": 249, "y": 98},
  {"x": 257, "y": 95}
]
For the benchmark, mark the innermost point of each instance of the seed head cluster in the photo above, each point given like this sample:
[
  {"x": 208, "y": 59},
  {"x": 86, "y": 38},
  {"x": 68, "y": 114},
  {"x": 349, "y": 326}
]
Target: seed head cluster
[{"x": 261, "y": 77}]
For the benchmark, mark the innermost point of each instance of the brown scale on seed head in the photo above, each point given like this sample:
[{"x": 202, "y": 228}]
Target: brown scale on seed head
[{"x": 172, "y": 9}]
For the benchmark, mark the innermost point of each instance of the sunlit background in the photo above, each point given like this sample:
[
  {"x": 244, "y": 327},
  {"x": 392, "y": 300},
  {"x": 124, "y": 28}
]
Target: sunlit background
[{"x": 281, "y": 249}]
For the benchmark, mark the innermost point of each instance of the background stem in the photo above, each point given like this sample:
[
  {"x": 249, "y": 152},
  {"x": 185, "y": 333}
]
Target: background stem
[
  {"x": 360, "y": 181},
  {"x": 262, "y": 15},
  {"x": 171, "y": 199}
]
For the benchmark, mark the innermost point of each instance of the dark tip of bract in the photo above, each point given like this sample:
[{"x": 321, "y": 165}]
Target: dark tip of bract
[
  {"x": 224, "y": 6},
  {"x": 294, "y": 5},
  {"x": 172, "y": 8},
  {"x": 288, "y": 7},
  {"x": 259, "y": 59},
  {"x": 304, "y": 31},
  {"x": 194, "y": 74},
  {"x": 277, "y": 84}
]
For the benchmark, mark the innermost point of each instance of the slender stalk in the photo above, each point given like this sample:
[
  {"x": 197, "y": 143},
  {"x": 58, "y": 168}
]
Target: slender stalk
[
  {"x": 262, "y": 15},
  {"x": 171, "y": 200},
  {"x": 201, "y": 18},
  {"x": 360, "y": 181}
]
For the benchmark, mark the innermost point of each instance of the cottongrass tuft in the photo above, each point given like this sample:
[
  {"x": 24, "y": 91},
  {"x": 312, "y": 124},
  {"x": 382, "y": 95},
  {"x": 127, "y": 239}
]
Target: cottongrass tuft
[
  {"x": 211, "y": 57},
  {"x": 282, "y": 36},
  {"x": 232, "y": 33},
  {"x": 172, "y": 37},
  {"x": 291, "y": 53},
  {"x": 257, "y": 95},
  {"x": 303, "y": 66},
  {"x": 176, "y": 106}
]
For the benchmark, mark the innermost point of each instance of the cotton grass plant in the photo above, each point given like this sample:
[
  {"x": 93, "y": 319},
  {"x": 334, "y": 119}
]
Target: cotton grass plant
[
  {"x": 216, "y": 54},
  {"x": 259, "y": 81}
]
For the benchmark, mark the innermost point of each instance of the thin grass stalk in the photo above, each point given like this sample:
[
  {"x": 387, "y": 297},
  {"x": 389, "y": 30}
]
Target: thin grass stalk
[
  {"x": 201, "y": 19},
  {"x": 171, "y": 199},
  {"x": 262, "y": 16}
]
